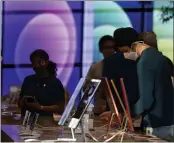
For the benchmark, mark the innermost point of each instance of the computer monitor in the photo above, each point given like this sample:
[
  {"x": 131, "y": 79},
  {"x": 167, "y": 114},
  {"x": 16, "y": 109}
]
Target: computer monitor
[
  {"x": 131, "y": 127},
  {"x": 71, "y": 104},
  {"x": 87, "y": 96},
  {"x": 110, "y": 98}
]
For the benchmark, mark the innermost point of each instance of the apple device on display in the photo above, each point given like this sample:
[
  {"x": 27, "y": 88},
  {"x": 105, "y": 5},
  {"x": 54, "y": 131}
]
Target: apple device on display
[{"x": 88, "y": 94}]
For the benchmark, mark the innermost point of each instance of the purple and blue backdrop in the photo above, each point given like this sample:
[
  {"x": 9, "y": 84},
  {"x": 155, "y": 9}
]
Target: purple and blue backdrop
[
  {"x": 55, "y": 27},
  {"x": 69, "y": 32}
]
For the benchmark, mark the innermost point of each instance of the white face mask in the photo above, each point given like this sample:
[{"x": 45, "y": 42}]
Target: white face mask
[
  {"x": 131, "y": 56},
  {"x": 136, "y": 51}
]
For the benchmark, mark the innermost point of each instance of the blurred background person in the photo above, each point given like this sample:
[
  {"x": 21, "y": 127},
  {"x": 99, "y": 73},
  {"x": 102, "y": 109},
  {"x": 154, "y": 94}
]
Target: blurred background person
[
  {"x": 117, "y": 66},
  {"x": 155, "y": 89},
  {"x": 44, "y": 87},
  {"x": 106, "y": 47}
]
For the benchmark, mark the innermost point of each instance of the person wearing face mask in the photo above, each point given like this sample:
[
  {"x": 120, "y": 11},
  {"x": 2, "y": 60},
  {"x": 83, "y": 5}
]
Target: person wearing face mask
[
  {"x": 44, "y": 87},
  {"x": 106, "y": 47},
  {"x": 131, "y": 55},
  {"x": 117, "y": 66},
  {"x": 155, "y": 90},
  {"x": 151, "y": 38}
]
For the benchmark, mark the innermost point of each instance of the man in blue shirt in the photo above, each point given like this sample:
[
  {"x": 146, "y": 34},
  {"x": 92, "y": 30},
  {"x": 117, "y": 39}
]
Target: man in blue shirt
[{"x": 155, "y": 89}]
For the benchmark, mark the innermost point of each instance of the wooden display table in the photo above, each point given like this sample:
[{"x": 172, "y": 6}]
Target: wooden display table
[{"x": 12, "y": 131}]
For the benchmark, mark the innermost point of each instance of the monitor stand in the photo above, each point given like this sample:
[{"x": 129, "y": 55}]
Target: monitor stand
[
  {"x": 73, "y": 139},
  {"x": 86, "y": 133}
]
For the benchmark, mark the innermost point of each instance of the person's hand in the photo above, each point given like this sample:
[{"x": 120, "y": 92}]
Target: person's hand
[
  {"x": 34, "y": 106},
  {"x": 102, "y": 108},
  {"x": 99, "y": 109},
  {"x": 136, "y": 118},
  {"x": 106, "y": 115}
]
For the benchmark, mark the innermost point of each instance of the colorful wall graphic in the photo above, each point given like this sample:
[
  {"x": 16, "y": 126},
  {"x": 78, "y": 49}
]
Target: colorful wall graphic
[{"x": 69, "y": 31}]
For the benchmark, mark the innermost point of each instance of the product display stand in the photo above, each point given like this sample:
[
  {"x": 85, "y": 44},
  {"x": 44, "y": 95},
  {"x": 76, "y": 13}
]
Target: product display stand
[
  {"x": 126, "y": 122},
  {"x": 29, "y": 121},
  {"x": 109, "y": 125},
  {"x": 86, "y": 132},
  {"x": 119, "y": 132},
  {"x": 127, "y": 110},
  {"x": 73, "y": 139},
  {"x": 27, "y": 130},
  {"x": 83, "y": 132},
  {"x": 114, "y": 112}
]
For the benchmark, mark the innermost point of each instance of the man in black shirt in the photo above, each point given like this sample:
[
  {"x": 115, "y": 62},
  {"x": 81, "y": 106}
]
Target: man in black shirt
[
  {"x": 117, "y": 66},
  {"x": 44, "y": 87}
]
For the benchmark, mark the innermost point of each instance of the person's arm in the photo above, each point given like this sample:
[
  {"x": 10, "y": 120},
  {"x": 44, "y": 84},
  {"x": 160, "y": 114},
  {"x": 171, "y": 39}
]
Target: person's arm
[
  {"x": 89, "y": 76},
  {"x": 59, "y": 108},
  {"x": 146, "y": 88},
  {"x": 55, "y": 108}
]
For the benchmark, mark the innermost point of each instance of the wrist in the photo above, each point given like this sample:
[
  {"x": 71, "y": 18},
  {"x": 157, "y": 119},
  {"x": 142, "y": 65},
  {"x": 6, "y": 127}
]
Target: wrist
[{"x": 41, "y": 107}]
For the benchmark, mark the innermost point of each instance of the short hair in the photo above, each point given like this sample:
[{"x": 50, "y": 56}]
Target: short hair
[
  {"x": 124, "y": 37},
  {"x": 103, "y": 39},
  {"x": 149, "y": 38}
]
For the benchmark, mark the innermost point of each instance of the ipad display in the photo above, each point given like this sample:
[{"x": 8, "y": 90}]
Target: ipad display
[
  {"x": 75, "y": 96},
  {"x": 88, "y": 94}
]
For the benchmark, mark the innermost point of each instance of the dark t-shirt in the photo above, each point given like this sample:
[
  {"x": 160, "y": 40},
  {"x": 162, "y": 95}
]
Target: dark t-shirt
[
  {"x": 155, "y": 89},
  {"x": 171, "y": 65},
  {"x": 116, "y": 67},
  {"x": 47, "y": 91}
]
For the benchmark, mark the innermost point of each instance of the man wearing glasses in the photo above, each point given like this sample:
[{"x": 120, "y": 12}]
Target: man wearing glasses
[{"x": 155, "y": 89}]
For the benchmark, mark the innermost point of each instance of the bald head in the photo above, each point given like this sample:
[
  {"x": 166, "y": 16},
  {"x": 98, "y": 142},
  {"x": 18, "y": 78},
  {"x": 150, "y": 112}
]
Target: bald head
[{"x": 149, "y": 38}]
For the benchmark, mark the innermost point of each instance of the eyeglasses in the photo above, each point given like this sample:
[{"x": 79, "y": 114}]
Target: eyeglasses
[{"x": 133, "y": 46}]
